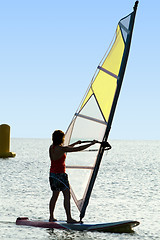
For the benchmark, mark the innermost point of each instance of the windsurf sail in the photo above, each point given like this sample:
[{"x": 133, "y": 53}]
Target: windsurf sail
[{"x": 94, "y": 116}]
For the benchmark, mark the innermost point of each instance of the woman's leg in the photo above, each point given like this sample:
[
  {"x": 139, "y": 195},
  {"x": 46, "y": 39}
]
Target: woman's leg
[
  {"x": 52, "y": 205},
  {"x": 67, "y": 206}
]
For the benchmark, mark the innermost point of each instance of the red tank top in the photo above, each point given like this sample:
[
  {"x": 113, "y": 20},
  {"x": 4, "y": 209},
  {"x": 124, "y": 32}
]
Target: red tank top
[{"x": 58, "y": 166}]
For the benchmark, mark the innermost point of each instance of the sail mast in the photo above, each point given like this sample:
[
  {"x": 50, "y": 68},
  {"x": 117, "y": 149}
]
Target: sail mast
[{"x": 120, "y": 79}]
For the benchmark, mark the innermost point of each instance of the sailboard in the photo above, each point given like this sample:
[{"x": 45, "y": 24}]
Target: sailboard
[
  {"x": 116, "y": 227},
  {"x": 93, "y": 120}
]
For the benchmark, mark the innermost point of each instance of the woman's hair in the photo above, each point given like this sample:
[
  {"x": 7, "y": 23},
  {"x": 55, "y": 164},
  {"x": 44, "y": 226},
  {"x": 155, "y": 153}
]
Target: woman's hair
[{"x": 58, "y": 137}]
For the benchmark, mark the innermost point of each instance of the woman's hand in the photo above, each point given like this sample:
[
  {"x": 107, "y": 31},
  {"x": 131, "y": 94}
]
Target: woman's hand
[{"x": 94, "y": 141}]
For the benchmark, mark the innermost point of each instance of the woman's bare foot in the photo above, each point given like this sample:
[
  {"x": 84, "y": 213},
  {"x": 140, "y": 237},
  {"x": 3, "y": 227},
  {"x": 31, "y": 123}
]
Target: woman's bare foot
[
  {"x": 72, "y": 221},
  {"x": 52, "y": 220}
]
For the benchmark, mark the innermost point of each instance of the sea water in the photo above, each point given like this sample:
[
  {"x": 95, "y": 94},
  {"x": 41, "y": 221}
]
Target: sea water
[{"x": 127, "y": 188}]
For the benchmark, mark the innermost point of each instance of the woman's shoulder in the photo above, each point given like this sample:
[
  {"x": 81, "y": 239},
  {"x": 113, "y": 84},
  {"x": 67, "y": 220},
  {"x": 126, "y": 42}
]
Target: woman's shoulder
[
  {"x": 52, "y": 147},
  {"x": 55, "y": 147}
]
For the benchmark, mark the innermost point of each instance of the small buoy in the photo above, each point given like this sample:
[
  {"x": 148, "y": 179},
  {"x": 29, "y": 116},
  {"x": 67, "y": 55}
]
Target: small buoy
[{"x": 5, "y": 142}]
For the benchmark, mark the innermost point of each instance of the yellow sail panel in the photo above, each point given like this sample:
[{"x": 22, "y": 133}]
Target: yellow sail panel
[
  {"x": 104, "y": 88},
  {"x": 104, "y": 84},
  {"x": 113, "y": 60}
]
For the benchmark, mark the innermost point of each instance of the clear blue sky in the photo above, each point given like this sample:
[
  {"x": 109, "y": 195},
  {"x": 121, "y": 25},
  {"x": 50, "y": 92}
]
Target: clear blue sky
[{"x": 49, "y": 51}]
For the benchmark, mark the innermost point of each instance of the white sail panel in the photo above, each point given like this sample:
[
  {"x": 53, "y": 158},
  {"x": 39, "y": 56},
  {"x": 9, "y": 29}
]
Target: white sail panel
[{"x": 81, "y": 164}]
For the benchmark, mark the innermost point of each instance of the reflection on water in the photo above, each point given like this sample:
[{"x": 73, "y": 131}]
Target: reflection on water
[
  {"x": 127, "y": 187},
  {"x": 68, "y": 235}
]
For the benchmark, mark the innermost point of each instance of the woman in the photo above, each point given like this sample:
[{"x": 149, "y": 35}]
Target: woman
[{"x": 58, "y": 178}]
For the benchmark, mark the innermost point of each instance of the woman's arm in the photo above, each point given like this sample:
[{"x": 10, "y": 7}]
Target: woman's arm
[
  {"x": 77, "y": 149},
  {"x": 75, "y": 143}
]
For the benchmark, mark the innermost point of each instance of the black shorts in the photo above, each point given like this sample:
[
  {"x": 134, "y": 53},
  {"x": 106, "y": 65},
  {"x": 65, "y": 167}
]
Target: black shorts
[{"x": 58, "y": 181}]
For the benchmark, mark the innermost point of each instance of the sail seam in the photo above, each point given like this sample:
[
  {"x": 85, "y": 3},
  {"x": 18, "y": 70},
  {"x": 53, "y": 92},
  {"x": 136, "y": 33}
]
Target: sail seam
[
  {"x": 90, "y": 118},
  {"x": 108, "y": 72}
]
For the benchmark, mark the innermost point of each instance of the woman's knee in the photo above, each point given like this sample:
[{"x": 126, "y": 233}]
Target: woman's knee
[{"x": 66, "y": 193}]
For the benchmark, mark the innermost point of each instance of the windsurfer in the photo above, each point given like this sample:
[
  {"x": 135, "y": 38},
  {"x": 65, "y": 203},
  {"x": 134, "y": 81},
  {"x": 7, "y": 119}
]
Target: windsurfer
[{"x": 58, "y": 178}]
